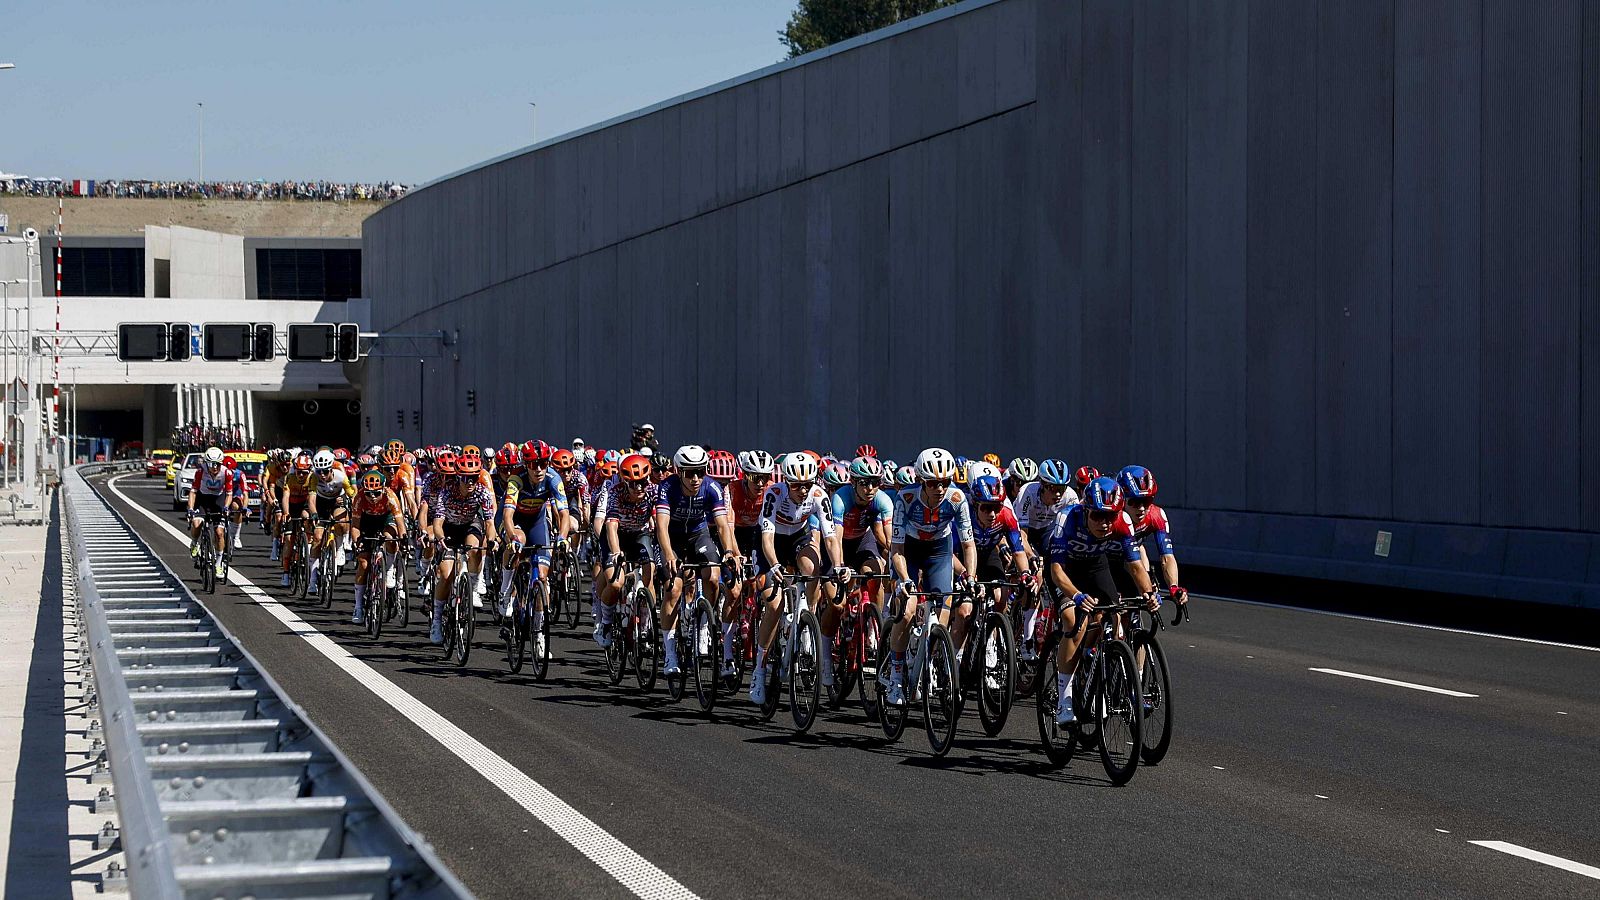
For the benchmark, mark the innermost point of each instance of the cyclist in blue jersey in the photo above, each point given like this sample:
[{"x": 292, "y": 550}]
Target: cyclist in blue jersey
[
  {"x": 1150, "y": 523},
  {"x": 691, "y": 519},
  {"x": 1085, "y": 540},
  {"x": 927, "y": 521}
]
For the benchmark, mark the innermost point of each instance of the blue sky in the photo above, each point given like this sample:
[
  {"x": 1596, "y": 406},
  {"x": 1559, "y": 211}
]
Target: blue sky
[{"x": 404, "y": 90}]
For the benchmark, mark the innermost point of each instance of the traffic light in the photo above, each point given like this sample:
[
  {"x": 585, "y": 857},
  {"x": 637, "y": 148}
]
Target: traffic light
[
  {"x": 312, "y": 342},
  {"x": 225, "y": 342},
  {"x": 349, "y": 343},
  {"x": 472, "y": 402},
  {"x": 178, "y": 337},
  {"x": 265, "y": 348},
  {"x": 142, "y": 341}
]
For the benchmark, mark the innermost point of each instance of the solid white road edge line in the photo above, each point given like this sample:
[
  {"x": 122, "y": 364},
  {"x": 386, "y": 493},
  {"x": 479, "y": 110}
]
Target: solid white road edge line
[
  {"x": 1549, "y": 860},
  {"x": 620, "y": 861},
  {"x": 1342, "y": 615},
  {"x": 1404, "y": 684}
]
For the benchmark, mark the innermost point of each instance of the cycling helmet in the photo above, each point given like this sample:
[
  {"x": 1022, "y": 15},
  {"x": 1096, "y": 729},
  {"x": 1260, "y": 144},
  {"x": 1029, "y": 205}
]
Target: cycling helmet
[
  {"x": 992, "y": 459},
  {"x": 373, "y": 481},
  {"x": 867, "y": 450},
  {"x": 409, "y": 458},
  {"x": 323, "y": 461},
  {"x": 341, "y": 454},
  {"x": 723, "y": 468},
  {"x": 935, "y": 464},
  {"x": 1137, "y": 483},
  {"x": 661, "y": 463},
  {"x": 589, "y": 455},
  {"x": 1054, "y": 471},
  {"x": 562, "y": 460},
  {"x": 987, "y": 489},
  {"x": 504, "y": 457},
  {"x": 963, "y": 471},
  {"x": 536, "y": 452},
  {"x": 1084, "y": 475},
  {"x": 799, "y": 468},
  {"x": 366, "y": 461},
  {"x": 690, "y": 456},
  {"x": 612, "y": 456},
  {"x": 756, "y": 462},
  {"x": 1103, "y": 495},
  {"x": 984, "y": 469},
  {"x": 635, "y": 469},
  {"x": 395, "y": 444},
  {"x": 212, "y": 457},
  {"x": 836, "y": 475},
  {"x": 866, "y": 466},
  {"x": 445, "y": 461},
  {"x": 906, "y": 477},
  {"x": 393, "y": 456},
  {"x": 471, "y": 462},
  {"x": 606, "y": 467},
  {"x": 302, "y": 463},
  {"x": 1023, "y": 469}
]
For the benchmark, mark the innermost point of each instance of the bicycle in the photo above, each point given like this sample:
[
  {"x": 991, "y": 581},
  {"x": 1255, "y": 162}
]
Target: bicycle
[
  {"x": 1155, "y": 688},
  {"x": 855, "y": 652},
  {"x": 930, "y": 674},
  {"x": 1105, "y": 687},
  {"x": 744, "y": 630},
  {"x": 698, "y": 628},
  {"x": 327, "y": 554},
  {"x": 207, "y": 560},
  {"x": 795, "y": 654},
  {"x": 457, "y": 622},
  {"x": 300, "y": 565},
  {"x": 989, "y": 657},
  {"x": 526, "y": 592},
  {"x": 632, "y": 634},
  {"x": 380, "y": 598},
  {"x": 563, "y": 590}
]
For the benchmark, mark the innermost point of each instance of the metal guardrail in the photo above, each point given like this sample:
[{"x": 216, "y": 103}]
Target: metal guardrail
[{"x": 223, "y": 787}]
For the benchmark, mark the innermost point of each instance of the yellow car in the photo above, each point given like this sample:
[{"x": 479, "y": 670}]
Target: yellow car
[
  {"x": 157, "y": 462},
  {"x": 172, "y": 472}
]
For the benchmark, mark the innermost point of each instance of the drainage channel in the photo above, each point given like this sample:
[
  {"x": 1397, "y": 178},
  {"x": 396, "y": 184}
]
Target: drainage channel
[{"x": 222, "y": 787}]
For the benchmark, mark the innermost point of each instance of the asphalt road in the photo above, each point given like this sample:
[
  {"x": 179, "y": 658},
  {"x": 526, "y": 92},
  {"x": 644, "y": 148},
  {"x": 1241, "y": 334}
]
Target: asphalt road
[{"x": 1282, "y": 780}]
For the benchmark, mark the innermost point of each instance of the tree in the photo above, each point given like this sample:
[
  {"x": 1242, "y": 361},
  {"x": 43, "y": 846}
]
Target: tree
[{"x": 819, "y": 23}]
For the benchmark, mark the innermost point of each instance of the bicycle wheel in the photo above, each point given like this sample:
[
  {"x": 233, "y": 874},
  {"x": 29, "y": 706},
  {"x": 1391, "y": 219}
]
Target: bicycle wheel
[
  {"x": 376, "y": 595},
  {"x": 844, "y": 668},
  {"x": 892, "y": 717},
  {"x": 401, "y": 603},
  {"x": 1084, "y": 686},
  {"x": 1058, "y": 742},
  {"x": 997, "y": 671},
  {"x": 556, "y": 591},
  {"x": 705, "y": 654},
  {"x": 939, "y": 689},
  {"x": 572, "y": 582},
  {"x": 680, "y": 635},
  {"x": 516, "y": 630},
  {"x": 208, "y": 569},
  {"x": 1116, "y": 710},
  {"x": 1155, "y": 689},
  {"x": 327, "y": 573},
  {"x": 646, "y": 642},
  {"x": 805, "y": 672},
  {"x": 617, "y": 647},
  {"x": 539, "y": 639},
  {"x": 461, "y": 619},
  {"x": 870, "y": 636}
]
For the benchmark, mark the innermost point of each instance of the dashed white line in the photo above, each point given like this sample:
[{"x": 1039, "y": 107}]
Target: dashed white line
[
  {"x": 1559, "y": 862},
  {"x": 617, "y": 859},
  {"x": 1405, "y": 684}
]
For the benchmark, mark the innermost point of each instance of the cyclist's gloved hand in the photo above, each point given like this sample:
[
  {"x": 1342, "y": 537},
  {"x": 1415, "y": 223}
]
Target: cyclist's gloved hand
[
  {"x": 1082, "y": 600},
  {"x": 841, "y": 574},
  {"x": 1152, "y": 601},
  {"x": 1025, "y": 579},
  {"x": 907, "y": 586},
  {"x": 1179, "y": 595}
]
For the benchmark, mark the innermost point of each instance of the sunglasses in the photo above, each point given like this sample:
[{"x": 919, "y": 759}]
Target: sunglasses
[
  {"x": 866, "y": 484},
  {"x": 696, "y": 474},
  {"x": 989, "y": 507},
  {"x": 940, "y": 483},
  {"x": 1101, "y": 515},
  {"x": 799, "y": 486}
]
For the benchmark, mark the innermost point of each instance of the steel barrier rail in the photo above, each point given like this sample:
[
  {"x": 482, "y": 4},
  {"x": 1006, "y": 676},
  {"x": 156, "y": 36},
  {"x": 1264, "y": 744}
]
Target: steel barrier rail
[{"x": 224, "y": 788}]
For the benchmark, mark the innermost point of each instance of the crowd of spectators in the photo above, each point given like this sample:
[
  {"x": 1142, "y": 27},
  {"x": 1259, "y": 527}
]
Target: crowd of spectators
[{"x": 207, "y": 190}]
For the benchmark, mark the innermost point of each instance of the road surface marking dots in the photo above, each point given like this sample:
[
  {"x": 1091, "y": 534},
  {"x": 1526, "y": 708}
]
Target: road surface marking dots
[
  {"x": 620, "y": 861},
  {"x": 1405, "y": 684},
  {"x": 1340, "y": 615},
  {"x": 1546, "y": 858}
]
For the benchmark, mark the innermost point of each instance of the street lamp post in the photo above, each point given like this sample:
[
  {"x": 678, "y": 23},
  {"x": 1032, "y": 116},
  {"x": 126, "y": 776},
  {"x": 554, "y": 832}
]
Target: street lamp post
[
  {"x": 200, "y": 173},
  {"x": 535, "y": 108}
]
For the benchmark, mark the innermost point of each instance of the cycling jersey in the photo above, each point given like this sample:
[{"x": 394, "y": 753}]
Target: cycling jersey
[
  {"x": 745, "y": 503},
  {"x": 915, "y": 520},
  {"x": 781, "y": 513},
  {"x": 299, "y": 486},
  {"x": 1071, "y": 538},
  {"x": 218, "y": 484},
  {"x": 335, "y": 484},
  {"x": 603, "y": 496},
  {"x": 1033, "y": 512},
  {"x": 461, "y": 507},
  {"x": 1154, "y": 524},
  {"x": 1003, "y": 529},
  {"x": 855, "y": 517},
  {"x": 384, "y": 504},
  {"x": 633, "y": 516},
  {"x": 400, "y": 482},
  {"x": 577, "y": 490},
  {"x": 689, "y": 513},
  {"x": 528, "y": 494}
]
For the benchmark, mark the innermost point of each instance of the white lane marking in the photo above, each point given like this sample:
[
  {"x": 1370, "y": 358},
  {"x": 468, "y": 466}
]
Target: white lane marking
[
  {"x": 1546, "y": 858},
  {"x": 620, "y": 861},
  {"x": 1405, "y": 684},
  {"x": 1340, "y": 615}
]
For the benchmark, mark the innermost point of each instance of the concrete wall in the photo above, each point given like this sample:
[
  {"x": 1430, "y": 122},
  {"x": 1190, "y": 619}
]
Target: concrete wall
[
  {"x": 201, "y": 263},
  {"x": 1323, "y": 266}
]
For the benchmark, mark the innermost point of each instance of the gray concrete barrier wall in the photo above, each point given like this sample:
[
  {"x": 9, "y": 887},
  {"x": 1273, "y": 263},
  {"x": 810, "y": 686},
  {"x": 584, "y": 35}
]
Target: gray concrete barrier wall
[{"x": 1316, "y": 260}]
